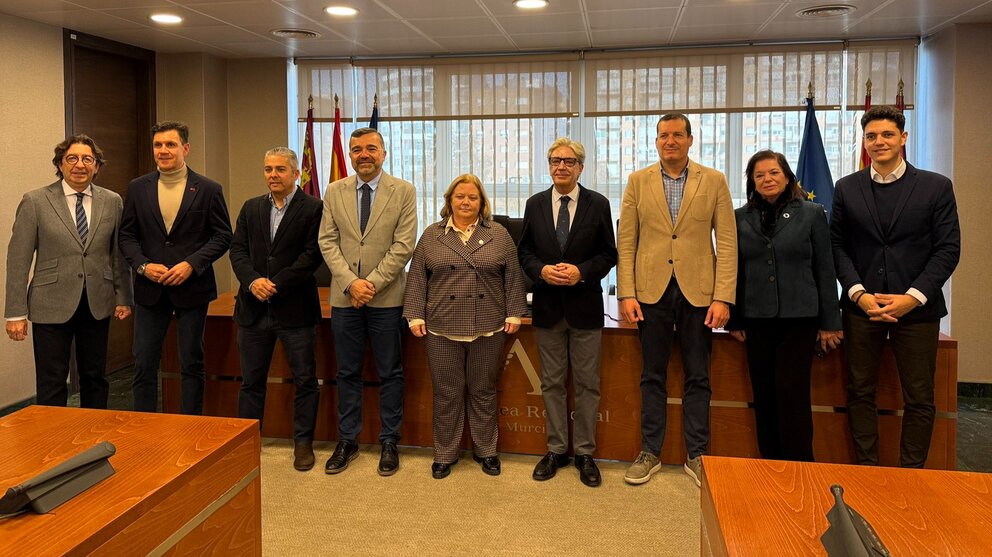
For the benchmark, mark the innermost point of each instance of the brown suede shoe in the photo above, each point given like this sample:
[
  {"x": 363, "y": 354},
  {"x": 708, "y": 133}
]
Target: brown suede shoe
[{"x": 303, "y": 458}]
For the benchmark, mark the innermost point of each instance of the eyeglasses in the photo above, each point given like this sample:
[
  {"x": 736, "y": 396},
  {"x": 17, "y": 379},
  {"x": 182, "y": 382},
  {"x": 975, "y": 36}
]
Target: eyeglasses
[
  {"x": 569, "y": 163},
  {"x": 73, "y": 159}
]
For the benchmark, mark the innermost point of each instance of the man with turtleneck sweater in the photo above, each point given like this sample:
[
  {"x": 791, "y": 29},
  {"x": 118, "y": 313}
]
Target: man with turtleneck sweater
[{"x": 175, "y": 225}]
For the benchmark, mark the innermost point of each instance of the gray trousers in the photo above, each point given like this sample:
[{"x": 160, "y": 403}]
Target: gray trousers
[{"x": 558, "y": 346}]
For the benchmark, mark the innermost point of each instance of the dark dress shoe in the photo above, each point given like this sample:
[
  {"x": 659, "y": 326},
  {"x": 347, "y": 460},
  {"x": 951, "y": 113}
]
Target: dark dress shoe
[
  {"x": 344, "y": 452},
  {"x": 389, "y": 460},
  {"x": 441, "y": 471},
  {"x": 549, "y": 465},
  {"x": 490, "y": 464},
  {"x": 303, "y": 458},
  {"x": 588, "y": 471}
]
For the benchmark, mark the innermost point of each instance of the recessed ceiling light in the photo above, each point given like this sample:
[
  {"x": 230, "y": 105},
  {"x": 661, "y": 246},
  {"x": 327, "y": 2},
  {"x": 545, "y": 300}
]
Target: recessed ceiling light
[
  {"x": 825, "y": 11},
  {"x": 530, "y": 4},
  {"x": 341, "y": 11},
  {"x": 167, "y": 19}
]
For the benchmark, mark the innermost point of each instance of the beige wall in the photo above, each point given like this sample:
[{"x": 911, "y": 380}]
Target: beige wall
[
  {"x": 32, "y": 122},
  {"x": 968, "y": 90}
]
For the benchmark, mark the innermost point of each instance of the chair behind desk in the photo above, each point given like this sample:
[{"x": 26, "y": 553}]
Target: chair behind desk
[{"x": 515, "y": 226}]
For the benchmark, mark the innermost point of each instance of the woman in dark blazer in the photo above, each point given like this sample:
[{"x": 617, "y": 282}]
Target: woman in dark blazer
[
  {"x": 786, "y": 302},
  {"x": 464, "y": 294}
]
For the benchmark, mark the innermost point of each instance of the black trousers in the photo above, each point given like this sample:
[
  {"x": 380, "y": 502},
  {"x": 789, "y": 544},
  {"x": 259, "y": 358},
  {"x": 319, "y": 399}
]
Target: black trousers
[
  {"x": 915, "y": 349},
  {"x": 52, "y": 347},
  {"x": 779, "y": 359},
  {"x": 695, "y": 339},
  {"x": 255, "y": 346}
]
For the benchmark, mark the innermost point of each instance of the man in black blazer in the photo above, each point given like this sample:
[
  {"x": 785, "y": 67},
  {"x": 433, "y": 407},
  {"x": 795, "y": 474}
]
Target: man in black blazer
[
  {"x": 566, "y": 248},
  {"x": 896, "y": 241},
  {"x": 175, "y": 225},
  {"x": 274, "y": 255}
]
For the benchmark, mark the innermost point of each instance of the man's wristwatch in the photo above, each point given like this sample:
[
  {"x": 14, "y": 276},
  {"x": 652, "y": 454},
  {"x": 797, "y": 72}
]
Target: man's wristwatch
[{"x": 141, "y": 269}]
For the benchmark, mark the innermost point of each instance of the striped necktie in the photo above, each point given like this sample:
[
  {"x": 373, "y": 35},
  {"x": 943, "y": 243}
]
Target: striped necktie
[{"x": 81, "y": 226}]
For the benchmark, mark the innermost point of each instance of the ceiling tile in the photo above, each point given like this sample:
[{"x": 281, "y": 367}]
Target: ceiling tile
[
  {"x": 140, "y": 16},
  {"x": 476, "y": 43},
  {"x": 163, "y": 42},
  {"x": 631, "y": 37},
  {"x": 714, "y": 33},
  {"x": 926, "y": 8},
  {"x": 809, "y": 30},
  {"x": 424, "y": 9},
  {"x": 221, "y": 34},
  {"x": 401, "y": 46},
  {"x": 505, "y": 7},
  {"x": 620, "y": 20},
  {"x": 456, "y": 26},
  {"x": 552, "y": 41},
  {"x": 86, "y": 21},
  {"x": 608, "y": 5},
  {"x": 21, "y": 7},
  {"x": 367, "y": 9},
  {"x": 896, "y": 27},
  {"x": 542, "y": 23},
  {"x": 252, "y": 13},
  {"x": 727, "y": 13}
]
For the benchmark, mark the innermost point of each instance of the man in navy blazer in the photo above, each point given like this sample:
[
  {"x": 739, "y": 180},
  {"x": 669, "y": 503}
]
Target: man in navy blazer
[
  {"x": 175, "y": 225},
  {"x": 274, "y": 255},
  {"x": 566, "y": 248},
  {"x": 896, "y": 241}
]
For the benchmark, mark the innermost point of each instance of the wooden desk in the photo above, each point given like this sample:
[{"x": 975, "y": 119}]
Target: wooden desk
[
  {"x": 521, "y": 420},
  {"x": 764, "y": 507},
  {"x": 184, "y": 485}
]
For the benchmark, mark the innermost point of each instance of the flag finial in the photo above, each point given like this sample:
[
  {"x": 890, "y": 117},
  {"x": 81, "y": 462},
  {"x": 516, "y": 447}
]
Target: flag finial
[
  {"x": 901, "y": 86},
  {"x": 375, "y": 100},
  {"x": 868, "y": 87},
  {"x": 809, "y": 90},
  {"x": 310, "y": 102}
]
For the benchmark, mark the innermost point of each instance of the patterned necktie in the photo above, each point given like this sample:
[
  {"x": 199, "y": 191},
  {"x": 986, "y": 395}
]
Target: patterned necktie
[
  {"x": 561, "y": 227},
  {"x": 81, "y": 226},
  {"x": 363, "y": 218}
]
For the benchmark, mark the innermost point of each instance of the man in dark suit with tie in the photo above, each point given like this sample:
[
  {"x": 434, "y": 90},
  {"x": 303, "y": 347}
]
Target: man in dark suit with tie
[
  {"x": 566, "y": 249},
  {"x": 175, "y": 225},
  {"x": 896, "y": 241},
  {"x": 274, "y": 255},
  {"x": 69, "y": 228}
]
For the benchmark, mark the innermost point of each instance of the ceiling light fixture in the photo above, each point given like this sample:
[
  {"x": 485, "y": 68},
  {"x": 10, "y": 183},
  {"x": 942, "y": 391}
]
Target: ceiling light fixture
[
  {"x": 301, "y": 34},
  {"x": 826, "y": 11},
  {"x": 166, "y": 19},
  {"x": 530, "y": 4},
  {"x": 341, "y": 11}
]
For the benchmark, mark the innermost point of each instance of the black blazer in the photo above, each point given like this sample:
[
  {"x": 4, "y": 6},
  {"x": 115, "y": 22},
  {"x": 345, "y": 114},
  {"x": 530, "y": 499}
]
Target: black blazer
[
  {"x": 789, "y": 274},
  {"x": 590, "y": 246},
  {"x": 289, "y": 260},
  {"x": 920, "y": 249},
  {"x": 200, "y": 235}
]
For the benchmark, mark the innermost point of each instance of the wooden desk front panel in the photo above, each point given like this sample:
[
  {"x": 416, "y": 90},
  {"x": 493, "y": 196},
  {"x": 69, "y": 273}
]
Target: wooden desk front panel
[
  {"x": 521, "y": 422},
  {"x": 760, "y": 507}
]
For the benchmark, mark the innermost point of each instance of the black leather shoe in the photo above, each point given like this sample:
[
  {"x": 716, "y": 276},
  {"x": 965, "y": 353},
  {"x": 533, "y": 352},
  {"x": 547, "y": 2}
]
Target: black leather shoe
[
  {"x": 549, "y": 465},
  {"x": 588, "y": 471},
  {"x": 303, "y": 458},
  {"x": 490, "y": 464},
  {"x": 344, "y": 452},
  {"x": 389, "y": 460},
  {"x": 441, "y": 471}
]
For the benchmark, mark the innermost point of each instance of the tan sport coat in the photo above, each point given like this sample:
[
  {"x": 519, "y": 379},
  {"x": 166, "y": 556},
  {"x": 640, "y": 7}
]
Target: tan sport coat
[
  {"x": 381, "y": 253},
  {"x": 650, "y": 249}
]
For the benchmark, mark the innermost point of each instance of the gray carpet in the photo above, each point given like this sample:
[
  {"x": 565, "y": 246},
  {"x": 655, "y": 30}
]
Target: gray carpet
[{"x": 359, "y": 513}]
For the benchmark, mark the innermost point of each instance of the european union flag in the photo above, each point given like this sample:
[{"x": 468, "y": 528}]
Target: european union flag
[{"x": 813, "y": 171}]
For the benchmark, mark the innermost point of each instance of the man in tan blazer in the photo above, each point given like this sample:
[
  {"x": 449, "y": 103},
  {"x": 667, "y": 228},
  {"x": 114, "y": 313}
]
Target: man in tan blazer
[
  {"x": 670, "y": 277},
  {"x": 367, "y": 235}
]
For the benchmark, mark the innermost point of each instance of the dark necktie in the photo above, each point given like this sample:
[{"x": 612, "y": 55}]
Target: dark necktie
[
  {"x": 561, "y": 227},
  {"x": 363, "y": 218},
  {"x": 81, "y": 226}
]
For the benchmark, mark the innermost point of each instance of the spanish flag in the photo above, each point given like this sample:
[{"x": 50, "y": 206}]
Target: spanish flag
[
  {"x": 308, "y": 171},
  {"x": 338, "y": 168},
  {"x": 865, "y": 159}
]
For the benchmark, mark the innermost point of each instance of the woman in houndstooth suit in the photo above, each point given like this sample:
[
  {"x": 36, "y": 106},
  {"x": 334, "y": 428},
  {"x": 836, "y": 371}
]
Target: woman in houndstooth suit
[{"x": 464, "y": 295}]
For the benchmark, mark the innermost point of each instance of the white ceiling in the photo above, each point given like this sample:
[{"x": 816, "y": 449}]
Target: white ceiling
[{"x": 240, "y": 28}]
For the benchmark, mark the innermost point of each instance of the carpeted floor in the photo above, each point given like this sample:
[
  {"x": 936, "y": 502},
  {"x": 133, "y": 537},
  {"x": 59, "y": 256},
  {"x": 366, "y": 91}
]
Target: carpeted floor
[{"x": 469, "y": 513}]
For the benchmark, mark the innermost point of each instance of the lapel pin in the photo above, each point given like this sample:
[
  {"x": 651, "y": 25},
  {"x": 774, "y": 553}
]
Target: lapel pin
[
  {"x": 481, "y": 242},
  {"x": 192, "y": 189},
  {"x": 786, "y": 215}
]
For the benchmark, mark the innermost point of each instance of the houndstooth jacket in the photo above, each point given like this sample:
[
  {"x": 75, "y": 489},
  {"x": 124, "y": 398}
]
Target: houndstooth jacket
[{"x": 461, "y": 289}]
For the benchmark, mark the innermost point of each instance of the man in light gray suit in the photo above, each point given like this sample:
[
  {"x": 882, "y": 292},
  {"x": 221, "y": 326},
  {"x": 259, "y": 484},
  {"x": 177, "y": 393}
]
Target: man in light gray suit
[
  {"x": 367, "y": 235},
  {"x": 69, "y": 228}
]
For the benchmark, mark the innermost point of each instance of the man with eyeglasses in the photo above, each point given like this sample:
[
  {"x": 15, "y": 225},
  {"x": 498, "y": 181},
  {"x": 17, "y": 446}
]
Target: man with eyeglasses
[
  {"x": 896, "y": 241},
  {"x": 69, "y": 228},
  {"x": 566, "y": 248},
  {"x": 669, "y": 277},
  {"x": 175, "y": 225}
]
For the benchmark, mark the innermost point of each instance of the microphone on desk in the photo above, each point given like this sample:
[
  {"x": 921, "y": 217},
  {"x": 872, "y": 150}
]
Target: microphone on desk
[
  {"x": 60, "y": 483},
  {"x": 849, "y": 534}
]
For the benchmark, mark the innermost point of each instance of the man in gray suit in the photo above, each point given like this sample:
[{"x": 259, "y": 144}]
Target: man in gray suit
[
  {"x": 367, "y": 235},
  {"x": 70, "y": 229}
]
